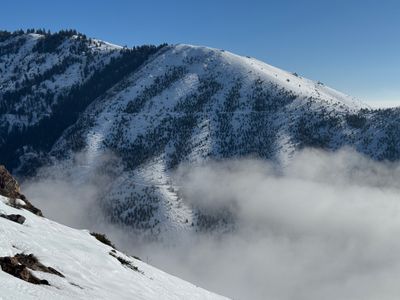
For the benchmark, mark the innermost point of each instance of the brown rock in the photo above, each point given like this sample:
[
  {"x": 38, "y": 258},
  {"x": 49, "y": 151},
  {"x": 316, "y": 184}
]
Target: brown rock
[
  {"x": 9, "y": 187},
  {"x": 33, "y": 263},
  {"x": 20, "y": 265},
  {"x": 11, "y": 266},
  {"x": 15, "y": 218}
]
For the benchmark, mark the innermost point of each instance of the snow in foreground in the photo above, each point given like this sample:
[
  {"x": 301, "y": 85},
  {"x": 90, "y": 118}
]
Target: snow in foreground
[{"x": 90, "y": 271}]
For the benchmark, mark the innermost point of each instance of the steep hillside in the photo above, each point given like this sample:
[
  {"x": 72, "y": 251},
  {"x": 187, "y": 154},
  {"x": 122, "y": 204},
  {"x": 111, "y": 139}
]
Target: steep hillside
[
  {"x": 47, "y": 80},
  {"x": 191, "y": 104},
  {"x": 41, "y": 259},
  {"x": 185, "y": 104}
]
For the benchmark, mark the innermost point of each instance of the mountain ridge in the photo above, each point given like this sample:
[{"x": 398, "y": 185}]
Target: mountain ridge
[{"x": 184, "y": 104}]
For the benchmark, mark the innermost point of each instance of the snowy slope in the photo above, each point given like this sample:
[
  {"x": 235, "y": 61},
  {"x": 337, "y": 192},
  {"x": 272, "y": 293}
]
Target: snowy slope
[
  {"x": 183, "y": 104},
  {"x": 48, "y": 80},
  {"x": 44, "y": 73},
  {"x": 90, "y": 271},
  {"x": 191, "y": 104}
]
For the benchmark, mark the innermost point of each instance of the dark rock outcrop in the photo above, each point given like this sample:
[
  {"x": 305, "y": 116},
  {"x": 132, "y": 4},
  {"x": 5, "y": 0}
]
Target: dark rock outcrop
[
  {"x": 20, "y": 265},
  {"x": 15, "y": 218},
  {"x": 29, "y": 206},
  {"x": 33, "y": 263},
  {"x": 12, "y": 266},
  {"x": 103, "y": 238},
  {"x": 9, "y": 187}
]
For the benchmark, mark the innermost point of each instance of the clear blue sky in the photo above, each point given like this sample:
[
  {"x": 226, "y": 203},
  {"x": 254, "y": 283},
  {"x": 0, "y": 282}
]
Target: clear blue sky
[{"x": 353, "y": 46}]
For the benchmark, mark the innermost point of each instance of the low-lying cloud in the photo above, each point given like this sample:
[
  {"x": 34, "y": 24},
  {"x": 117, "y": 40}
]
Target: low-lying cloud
[
  {"x": 69, "y": 192},
  {"x": 325, "y": 226}
]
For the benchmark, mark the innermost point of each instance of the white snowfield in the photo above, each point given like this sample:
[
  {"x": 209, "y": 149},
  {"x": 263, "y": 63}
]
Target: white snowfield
[
  {"x": 229, "y": 64},
  {"x": 90, "y": 271}
]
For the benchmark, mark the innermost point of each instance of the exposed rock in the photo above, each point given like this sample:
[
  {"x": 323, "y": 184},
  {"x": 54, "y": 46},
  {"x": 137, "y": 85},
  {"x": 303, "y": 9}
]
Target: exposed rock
[
  {"x": 15, "y": 218},
  {"x": 21, "y": 264},
  {"x": 9, "y": 187},
  {"x": 125, "y": 262},
  {"x": 29, "y": 206},
  {"x": 33, "y": 263},
  {"x": 12, "y": 266},
  {"x": 102, "y": 238}
]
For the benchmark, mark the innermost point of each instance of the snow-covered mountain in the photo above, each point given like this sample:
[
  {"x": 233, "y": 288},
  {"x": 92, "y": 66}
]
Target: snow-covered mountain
[
  {"x": 47, "y": 80},
  {"x": 41, "y": 259},
  {"x": 161, "y": 107}
]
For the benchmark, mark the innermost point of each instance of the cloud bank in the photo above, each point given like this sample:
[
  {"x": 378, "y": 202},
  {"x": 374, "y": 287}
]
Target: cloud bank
[{"x": 325, "y": 226}]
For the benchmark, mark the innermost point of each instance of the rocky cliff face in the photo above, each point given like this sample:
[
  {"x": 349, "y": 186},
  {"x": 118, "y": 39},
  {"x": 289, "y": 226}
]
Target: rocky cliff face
[{"x": 9, "y": 188}]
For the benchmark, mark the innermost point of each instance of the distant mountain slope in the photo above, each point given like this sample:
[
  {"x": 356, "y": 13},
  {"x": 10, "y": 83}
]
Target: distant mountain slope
[
  {"x": 41, "y": 259},
  {"x": 47, "y": 80},
  {"x": 188, "y": 104}
]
